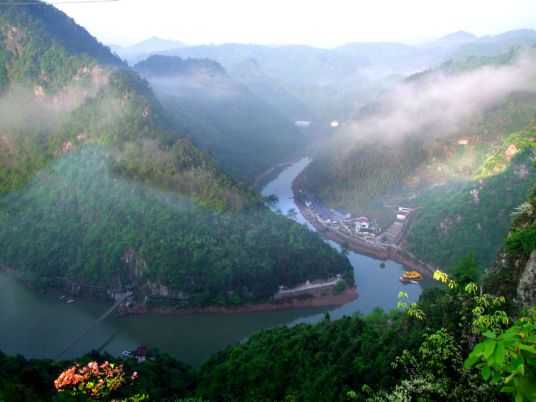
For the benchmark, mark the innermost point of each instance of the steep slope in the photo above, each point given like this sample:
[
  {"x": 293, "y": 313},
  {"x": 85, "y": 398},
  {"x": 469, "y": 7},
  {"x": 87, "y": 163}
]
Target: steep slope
[
  {"x": 475, "y": 219},
  {"x": 243, "y": 132},
  {"x": 43, "y": 47},
  {"x": 57, "y": 97},
  {"x": 490, "y": 46},
  {"x": 429, "y": 143},
  {"x": 99, "y": 188},
  {"x": 514, "y": 272},
  {"x": 328, "y": 81},
  {"x": 402, "y": 357},
  {"x": 250, "y": 73}
]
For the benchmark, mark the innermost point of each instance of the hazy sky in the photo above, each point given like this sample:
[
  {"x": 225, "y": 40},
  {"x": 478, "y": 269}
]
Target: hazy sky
[{"x": 314, "y": 22}]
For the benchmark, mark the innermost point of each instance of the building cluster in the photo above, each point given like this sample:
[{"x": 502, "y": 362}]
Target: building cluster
[
  {"x": 363, "y": 226},
  {"x": 403, "y": 213},
  {"x": 338, "y": 220}
]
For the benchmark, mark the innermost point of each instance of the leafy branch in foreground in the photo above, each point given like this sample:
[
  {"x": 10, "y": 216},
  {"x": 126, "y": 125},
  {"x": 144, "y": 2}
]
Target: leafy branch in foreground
[
  {"x": 412, "y": 308},
  {"x": 509, "y": 358},
  {"x": 505, "y": 357}
]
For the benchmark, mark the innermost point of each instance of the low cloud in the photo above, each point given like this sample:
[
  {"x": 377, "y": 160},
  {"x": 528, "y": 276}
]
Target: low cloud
[{"x": 440, "y": 103}]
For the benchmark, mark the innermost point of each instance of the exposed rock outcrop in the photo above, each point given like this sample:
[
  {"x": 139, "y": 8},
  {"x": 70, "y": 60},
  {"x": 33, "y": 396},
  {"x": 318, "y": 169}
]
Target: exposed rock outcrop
[
  {"x": 526, "y": 290},
  {"x": 514, "y": 272}
]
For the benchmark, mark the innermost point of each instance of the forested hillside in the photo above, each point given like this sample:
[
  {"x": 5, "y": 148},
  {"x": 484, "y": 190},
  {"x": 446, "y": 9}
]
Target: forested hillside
[
  {"x": 242, "y": 131},
  {"x": 475, "y": 219},
  {"x": 100, "y": 188},
  {"x": 438, "y": 144},
  {"x": 250, "y": 73},
  {"x": 44, "y": 47},
  {"x": 79, "y": 221},
  {"x": 513, "y": 273},
  {"x": 455, "y": 344}
]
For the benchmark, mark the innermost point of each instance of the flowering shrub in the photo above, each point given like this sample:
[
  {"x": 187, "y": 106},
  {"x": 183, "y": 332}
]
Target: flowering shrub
[{"x": 92, "y": 380}]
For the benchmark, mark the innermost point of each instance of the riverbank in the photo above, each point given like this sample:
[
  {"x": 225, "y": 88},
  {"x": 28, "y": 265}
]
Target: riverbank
[
  {"x": 265, "y": 177},
  {"x": 380, "y": 251},
  {"x": 317, "y": 300},
  {"x": 201, "y": 334},
  {"x": 320, "y": 299}
]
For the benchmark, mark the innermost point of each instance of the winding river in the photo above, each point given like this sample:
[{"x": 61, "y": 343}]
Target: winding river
[{"x": 36, "y": 325}]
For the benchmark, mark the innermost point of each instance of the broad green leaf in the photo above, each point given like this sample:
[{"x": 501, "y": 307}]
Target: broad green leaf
[
  {"x": 527, "y": 388},
  {"x": 489, "y": 334},
  {"x": 508, "y": 388},
  {"x": 472, "y": 359},
  {"x": 527, "y": 348},
  {"x": 499, "y": 354},
  {"x": 489, "y": 348}
]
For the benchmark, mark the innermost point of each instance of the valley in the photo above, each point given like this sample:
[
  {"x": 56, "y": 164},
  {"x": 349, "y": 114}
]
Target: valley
[
  {"x": 280, "y": 202},
  {"x": 434, "y": 167},
  {"x": 200, "y": 334}
]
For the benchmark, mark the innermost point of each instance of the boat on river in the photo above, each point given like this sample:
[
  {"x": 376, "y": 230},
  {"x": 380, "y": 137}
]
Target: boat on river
[{"x": 410, "y": 276}]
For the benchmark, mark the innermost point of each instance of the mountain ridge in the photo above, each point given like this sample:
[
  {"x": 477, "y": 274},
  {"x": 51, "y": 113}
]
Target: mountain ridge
[
  {"x": 223, "y": 116},
  {"x": 123, "y": 197}
]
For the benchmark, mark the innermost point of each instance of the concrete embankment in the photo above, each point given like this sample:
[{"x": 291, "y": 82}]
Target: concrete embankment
[{"x": 380, "y": 251}]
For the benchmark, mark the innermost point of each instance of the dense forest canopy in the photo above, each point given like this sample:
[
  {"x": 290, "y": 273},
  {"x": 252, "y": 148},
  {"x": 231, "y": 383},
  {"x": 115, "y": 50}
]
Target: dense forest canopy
[
  {"x": 101, "y": 188},
  {"x": 429, "y": 352},
  {"x": 82, "y": 222}
]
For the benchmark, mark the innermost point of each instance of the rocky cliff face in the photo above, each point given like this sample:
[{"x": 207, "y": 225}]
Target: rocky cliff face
[
  {"x": 514, "y": 271},
  {"x": 526, "y": 289}
]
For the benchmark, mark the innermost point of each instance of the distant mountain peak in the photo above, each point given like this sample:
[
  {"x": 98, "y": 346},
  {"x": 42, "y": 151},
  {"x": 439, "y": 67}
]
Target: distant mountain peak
[
  {"x": 510, "y": 35},
  {"x": 249, "y": 67},
  {"x": 158, "y": 65},
  {"x": 151, "y": 45},
  {"x": 155, "y": 40},
  {"x": 459, "y": 35},
  {"x": 453, "y": 39}
]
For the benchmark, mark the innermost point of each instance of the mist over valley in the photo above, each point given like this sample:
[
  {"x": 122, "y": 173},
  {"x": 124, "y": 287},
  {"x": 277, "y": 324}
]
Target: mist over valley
[{"x": 267, "y": 219}]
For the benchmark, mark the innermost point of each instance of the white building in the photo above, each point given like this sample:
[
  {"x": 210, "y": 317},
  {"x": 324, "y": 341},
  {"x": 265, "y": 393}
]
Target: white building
[
  {"x": 302, "y": 123},
  {"x": 362, "y": 224}
]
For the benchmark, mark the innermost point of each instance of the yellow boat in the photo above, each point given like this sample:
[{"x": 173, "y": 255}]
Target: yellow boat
[{"x": 410, "y": 276}]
